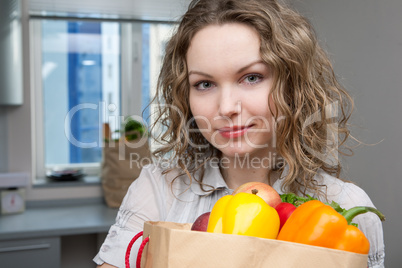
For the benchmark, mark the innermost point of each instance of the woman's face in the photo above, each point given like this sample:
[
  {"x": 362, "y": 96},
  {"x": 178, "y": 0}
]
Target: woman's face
[{"x": 229, "y": 90}]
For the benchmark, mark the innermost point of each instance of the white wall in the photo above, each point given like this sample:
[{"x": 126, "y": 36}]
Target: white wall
[{"x": 364, "y": 39}]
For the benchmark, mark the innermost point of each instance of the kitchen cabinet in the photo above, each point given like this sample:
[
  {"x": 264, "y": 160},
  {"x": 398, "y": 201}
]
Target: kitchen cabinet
[
  {"x": 11, "y": 78},
  {"x": 35, "y": 238},
  {"x": 38, "y": 252}
]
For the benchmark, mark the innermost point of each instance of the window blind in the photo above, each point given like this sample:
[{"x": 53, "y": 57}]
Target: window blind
[{"x": 158, "y": 10}]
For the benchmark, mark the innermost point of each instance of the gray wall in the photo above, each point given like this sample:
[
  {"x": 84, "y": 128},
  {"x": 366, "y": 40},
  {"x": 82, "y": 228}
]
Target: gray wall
[
  {"x": 3, "y": 140},
  {"x": 364, "y": 39}
]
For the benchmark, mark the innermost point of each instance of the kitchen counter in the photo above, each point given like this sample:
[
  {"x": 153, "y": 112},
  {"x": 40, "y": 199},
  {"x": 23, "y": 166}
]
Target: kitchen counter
[
  {"x": 54, "y": 237},
  {"x": 57, "y": 221}
]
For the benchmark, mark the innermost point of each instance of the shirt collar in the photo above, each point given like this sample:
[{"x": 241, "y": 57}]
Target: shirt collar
[{"x": 212, "y": 179}]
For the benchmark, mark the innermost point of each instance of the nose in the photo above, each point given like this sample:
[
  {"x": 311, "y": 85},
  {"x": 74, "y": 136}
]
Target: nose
[{"x": 230, "y": 103}]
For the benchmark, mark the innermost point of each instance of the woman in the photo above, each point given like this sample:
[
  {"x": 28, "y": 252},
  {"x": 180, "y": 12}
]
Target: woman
[{"x": 247, "y": 95}]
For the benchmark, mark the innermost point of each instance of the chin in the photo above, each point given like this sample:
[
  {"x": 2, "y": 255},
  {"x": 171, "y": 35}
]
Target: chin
[
  {"x": 236, "y": 152},
  {"x": 241, "y": 149},
  {"x": 250, "y": 157}
]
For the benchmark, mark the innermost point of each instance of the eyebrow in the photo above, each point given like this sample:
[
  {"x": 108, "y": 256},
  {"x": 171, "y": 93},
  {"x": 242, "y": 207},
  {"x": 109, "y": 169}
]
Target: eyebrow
[
  {"x": 249, "y": 65},
  {"x": 200, "y": 73},
  {"x": 239, "y": 71}
]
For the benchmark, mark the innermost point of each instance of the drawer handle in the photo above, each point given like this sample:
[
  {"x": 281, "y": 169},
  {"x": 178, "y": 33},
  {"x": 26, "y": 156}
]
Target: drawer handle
[{"x": 21, "y": 248}]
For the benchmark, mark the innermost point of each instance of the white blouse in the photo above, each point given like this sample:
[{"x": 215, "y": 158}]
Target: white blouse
[{"x": 152, "y": 197}]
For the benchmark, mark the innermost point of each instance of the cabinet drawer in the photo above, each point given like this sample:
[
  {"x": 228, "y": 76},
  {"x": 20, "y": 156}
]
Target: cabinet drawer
[{"x": 39, "y": 252}]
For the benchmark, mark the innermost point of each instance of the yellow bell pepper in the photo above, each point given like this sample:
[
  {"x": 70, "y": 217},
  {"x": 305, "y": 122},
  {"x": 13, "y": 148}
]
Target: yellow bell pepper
[{"x": 244, "y": 214}]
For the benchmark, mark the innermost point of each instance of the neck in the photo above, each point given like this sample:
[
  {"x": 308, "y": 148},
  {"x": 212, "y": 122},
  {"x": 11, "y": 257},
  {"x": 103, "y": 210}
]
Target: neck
[{"x": 239, "y": 170}]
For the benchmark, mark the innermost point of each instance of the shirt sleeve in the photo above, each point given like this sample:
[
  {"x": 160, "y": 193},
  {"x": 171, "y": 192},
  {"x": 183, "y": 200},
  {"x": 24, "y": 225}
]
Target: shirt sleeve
[
  {"x": 369, "y": 223},
  {"x": 145, "y": 201}
]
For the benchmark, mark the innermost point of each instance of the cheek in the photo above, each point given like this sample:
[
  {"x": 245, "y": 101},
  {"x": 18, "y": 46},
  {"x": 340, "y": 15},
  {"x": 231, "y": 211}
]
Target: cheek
[
  {"x": 259, "y": 105},
  {"x": 194, "y": 107},
  {"x": 262, "y": 110},
  {"x": 263, "y": 106},
  {"x": 198, "y": 113},
  {"x": 192, "y": 103},
  {"x": 202, "y": 107}
]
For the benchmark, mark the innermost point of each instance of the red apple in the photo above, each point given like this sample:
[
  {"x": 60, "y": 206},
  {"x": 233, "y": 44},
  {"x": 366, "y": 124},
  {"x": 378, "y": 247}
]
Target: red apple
[
  {"x": 201, "y": 223},
  {"x": 284, "y": 211},
  {"x": 266, "y": 192}
]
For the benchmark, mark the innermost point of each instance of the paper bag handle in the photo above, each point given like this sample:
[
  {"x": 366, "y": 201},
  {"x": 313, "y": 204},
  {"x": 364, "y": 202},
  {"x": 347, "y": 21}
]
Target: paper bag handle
[{"x": 140, "y": 250}]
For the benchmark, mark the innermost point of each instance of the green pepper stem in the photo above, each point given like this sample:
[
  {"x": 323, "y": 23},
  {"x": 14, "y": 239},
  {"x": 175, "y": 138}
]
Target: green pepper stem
[{"x": 353, "y": 212}]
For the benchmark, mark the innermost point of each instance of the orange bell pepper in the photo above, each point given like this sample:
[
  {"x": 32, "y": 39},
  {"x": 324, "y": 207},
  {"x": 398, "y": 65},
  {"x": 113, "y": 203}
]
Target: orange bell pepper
[{"x": 315, "y": 223}]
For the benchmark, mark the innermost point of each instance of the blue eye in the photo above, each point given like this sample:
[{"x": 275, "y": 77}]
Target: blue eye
[
  {"x": 253, "y": 78},
  {"x": 203, "y": 85}
]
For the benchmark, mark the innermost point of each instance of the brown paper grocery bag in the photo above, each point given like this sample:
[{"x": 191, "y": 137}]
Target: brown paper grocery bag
[
  {"x": 173, "y": 245},
  {"x": 122, "y": 162}
]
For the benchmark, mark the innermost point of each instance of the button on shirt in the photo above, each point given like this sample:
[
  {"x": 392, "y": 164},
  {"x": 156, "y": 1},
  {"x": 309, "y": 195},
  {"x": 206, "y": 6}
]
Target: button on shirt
[{"x": 157, "y": 197}]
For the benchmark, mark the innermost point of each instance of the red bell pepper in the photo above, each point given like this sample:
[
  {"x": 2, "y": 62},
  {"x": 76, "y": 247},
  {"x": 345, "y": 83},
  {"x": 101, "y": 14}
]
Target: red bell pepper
[{"x": 284, "y": 211}]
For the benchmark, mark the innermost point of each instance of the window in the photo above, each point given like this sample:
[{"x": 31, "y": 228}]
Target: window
[
  {"x": 86, "y": 73},
  {"x": 80, "y": 71}
]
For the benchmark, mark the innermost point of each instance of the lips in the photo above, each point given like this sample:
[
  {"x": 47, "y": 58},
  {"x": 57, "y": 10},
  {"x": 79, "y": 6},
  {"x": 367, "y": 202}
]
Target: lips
[{"x": 234, "y": 132}]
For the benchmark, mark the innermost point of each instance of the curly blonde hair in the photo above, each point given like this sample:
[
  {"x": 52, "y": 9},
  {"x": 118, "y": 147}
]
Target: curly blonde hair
[{"x": 311, "y": 107}]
